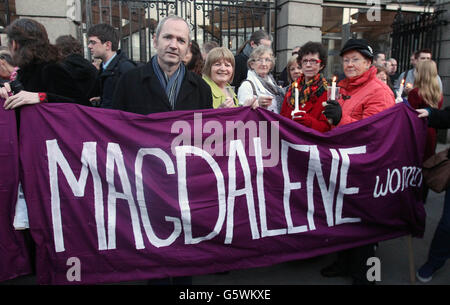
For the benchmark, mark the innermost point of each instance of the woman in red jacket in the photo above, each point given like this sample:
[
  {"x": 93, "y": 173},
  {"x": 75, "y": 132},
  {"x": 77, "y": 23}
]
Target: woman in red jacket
[
  {"x": 312, "y": 89},
  {"x": 362, "y": 95}
]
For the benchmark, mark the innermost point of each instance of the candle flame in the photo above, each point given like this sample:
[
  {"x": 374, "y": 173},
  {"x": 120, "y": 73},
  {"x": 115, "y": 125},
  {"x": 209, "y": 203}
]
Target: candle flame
[
  {"x": 334, "y": 79},
  {"x": 403, "y": 81},
  {"x": 295, "y": 84}
]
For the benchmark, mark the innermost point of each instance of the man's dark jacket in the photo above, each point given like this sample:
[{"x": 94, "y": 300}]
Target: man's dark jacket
[
  {"x": 139, "y": 91},
  {"x": 240, "y": 70},
  {"x": 108, "y": 78}
]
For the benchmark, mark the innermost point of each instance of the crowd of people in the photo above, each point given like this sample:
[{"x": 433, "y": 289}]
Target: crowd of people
[{"x": 184, "y": 76}]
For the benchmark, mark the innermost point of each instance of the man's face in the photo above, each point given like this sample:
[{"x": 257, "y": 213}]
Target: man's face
[
  {"x": 173, "y": 42},
  {"x": 424, "y": 56},
  {"x": 393, "y": 66},
  {"x": 265, "y": 42},
  {"x": 381, "y": 60},
  {"x": 97, "y": 48}
]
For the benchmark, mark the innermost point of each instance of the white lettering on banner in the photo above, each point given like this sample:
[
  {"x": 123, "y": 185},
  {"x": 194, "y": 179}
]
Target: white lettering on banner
[
  {"x": 88, "y": 160},
  {"x": 239, "y": 174},
  {"x": 114, "y": 157},
  {"x": 183, "y": 198},
  {"x": 410, "y": 176},
  {"x": 343, "y": 190},
  {"x": 154, "y": 240}
]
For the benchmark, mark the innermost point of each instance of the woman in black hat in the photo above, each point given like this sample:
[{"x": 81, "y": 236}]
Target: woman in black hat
[{"x": 362, "y": 94}]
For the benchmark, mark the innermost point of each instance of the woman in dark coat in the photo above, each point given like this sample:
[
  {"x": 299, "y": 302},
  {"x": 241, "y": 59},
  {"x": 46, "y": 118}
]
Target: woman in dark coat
[
  {"x": 440, "y": 245},
  {"x": 41, "y": 77}
]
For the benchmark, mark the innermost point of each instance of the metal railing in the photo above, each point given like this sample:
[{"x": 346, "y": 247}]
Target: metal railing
[{"x": 228, "y": 22}]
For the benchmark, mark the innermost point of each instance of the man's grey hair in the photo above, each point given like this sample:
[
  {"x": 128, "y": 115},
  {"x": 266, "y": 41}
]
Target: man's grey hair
[{"x": 171, "y": 17}]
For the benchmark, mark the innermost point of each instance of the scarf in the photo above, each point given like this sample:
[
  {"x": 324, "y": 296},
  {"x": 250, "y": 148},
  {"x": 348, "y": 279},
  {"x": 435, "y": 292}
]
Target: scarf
[
  {"x": 171, "y": 85},
  {"x": 315, "y": 86}
]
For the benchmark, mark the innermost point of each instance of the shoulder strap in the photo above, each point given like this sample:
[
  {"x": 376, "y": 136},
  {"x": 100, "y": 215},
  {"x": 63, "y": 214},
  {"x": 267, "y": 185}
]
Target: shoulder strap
[{"x": 251, "y": 83}]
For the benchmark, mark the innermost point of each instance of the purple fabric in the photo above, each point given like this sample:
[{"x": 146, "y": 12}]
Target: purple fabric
[
  {"x": 14, "y": 259},
  {"x": 96, "y": 221}
]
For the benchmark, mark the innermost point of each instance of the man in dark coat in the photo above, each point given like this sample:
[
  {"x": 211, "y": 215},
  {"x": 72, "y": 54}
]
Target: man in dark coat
[
  {"x": 240, "y": 72},
  {"x": 103, "y": 44},
  {"x": 164, "y": 84}
]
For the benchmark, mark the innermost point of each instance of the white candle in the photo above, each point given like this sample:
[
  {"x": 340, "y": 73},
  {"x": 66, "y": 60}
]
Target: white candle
[
  {"x": 296, "y": 96},
  {"x": 333, "y": 89},
  {"x": 400, "y": 90}
]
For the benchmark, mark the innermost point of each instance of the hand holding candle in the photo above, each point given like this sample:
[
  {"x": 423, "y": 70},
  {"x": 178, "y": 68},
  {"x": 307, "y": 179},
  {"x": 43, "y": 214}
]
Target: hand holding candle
[{"x": 400, "y": 90}]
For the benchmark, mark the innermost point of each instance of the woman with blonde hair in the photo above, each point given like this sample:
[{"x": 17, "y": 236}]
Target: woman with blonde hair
[
  {"x": 218, "y": 72},
  {"x": 294, "y": 69},
  {"x": 426, "y": 94}
]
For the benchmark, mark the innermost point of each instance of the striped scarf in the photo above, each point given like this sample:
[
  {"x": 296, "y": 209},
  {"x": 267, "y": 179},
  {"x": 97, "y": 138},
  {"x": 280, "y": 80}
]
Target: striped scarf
[
  {"x": 317, "y": 85},
  {"x": 171, "y": 85}
]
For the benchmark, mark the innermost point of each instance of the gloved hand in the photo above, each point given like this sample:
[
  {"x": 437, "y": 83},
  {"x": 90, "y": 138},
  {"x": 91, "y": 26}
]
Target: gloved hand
[{"x": 333, "y": 112}]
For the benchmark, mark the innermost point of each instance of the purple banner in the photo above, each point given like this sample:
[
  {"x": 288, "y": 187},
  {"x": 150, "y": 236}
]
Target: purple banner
[
  {"x": 14, "y": 259},
  {"x": 115, "y": 196}
]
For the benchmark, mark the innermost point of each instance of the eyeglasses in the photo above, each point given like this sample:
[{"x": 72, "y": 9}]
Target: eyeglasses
[
  {"x": 311, "y": 61},
  {"x": 262, "y": 60},
  {"x": 347, "y": 61}
]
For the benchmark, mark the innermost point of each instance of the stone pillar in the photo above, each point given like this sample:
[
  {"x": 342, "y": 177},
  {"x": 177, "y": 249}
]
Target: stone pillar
[
  {"x": 56, "y": 15},
  {"x": 298, "y": 22}
]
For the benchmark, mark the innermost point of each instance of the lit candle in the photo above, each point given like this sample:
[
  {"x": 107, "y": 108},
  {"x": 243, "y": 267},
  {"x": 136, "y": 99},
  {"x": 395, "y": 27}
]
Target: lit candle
[
  {"x": 333, "y": 89},
  {"x": 296, "y": 110},
  {"x": 400, "y": 90}
]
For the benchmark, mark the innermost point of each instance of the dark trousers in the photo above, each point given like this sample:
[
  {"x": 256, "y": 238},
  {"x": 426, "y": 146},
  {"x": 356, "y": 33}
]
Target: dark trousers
[
  {"x": 354, "y": 262},
  {"x": 440, "y": 245}
]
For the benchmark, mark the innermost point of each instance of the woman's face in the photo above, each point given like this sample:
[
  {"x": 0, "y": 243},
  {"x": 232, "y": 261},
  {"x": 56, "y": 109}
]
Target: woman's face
[
  {"x": 262, "y": 65},
  {"x": 295, "y": 71},
  {"x": 221, "y": 72},
  {"x": 188, "y": 57},
  {"x": 382, "y": 76},
  {"x": 311, "y": 65},
  {"x": 355, "y": 64}
]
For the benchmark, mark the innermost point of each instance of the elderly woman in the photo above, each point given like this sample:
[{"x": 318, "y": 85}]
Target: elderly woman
[
  {"x": 218, "y": 72},
  {"x": 312, "y": 89},
  {"x": 362, "y": 95},
  {"x": 42, "y": 78},
  {"x": 259, "y": 85}
]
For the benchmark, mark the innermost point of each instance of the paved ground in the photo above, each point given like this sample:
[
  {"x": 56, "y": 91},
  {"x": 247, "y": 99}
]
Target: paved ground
[{"x": 393, "y": 254}]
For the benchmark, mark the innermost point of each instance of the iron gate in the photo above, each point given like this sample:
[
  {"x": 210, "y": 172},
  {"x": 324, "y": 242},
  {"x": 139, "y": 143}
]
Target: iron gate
[
  {"x": 422, "y": 31},
  {"x": 228, "y": 22}
]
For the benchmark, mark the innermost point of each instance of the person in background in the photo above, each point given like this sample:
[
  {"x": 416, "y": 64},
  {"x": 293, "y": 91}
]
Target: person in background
[
  {"x": 208, "y": 46},
  {"x": 80, "y": 68},
  {"x": 294, "y": 69},
  {"x": 383, "y": 75},
  {"x": 283, "y": 79},
  {"x": 392, "y": 71},
  {"x": 104, "y": 44},
  {"x": 256, "y": 39},
  {"x": 193, "y": 59},
  {"x": 439, "y": 251},
  {"x": 379, "y": 59},
  {"x": 40, "y": 78},
  {"x": 260, "y": 84},
  {"x": 426, "y": 93},
  {"x": 362, "y": 95},
  {"x": 218, "y": 73},
  {"x": 312, "y": 88},
  {"x": 8, "y": 69}
]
